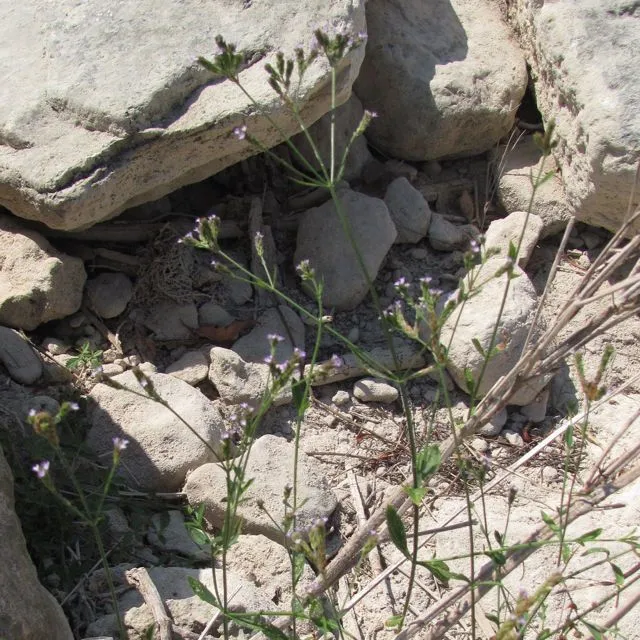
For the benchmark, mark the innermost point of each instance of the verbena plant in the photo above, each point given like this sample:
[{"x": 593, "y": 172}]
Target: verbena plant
[{"x": 419, "y": 305}]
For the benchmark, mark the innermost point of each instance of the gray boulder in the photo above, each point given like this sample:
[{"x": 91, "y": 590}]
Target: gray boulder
[
  {"x": 322, "y": 241},
  {"x": 109, "y": 293},
  {"x": 117, "y": 113},
  {"x": 477, "y": 319},
  {"x": 238, "y": 381},
  {"x": 444, "y": 76},
  {"x": 409, "y": 211},
  {"x": 515, "y": 168},
  {"x": 271, "y": 467},
  {"x": 586, "y": 67},
  {"x": 162, "y": 449},
  {"x": 508, "y": 230},
  {"x": 19, "y": 357},
  {"x": 27, "y": 610},
  {"x": 37, "y": 282}
]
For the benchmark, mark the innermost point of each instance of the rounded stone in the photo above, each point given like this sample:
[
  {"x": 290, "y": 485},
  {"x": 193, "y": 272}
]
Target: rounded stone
[{"x": 109, "y": 293}]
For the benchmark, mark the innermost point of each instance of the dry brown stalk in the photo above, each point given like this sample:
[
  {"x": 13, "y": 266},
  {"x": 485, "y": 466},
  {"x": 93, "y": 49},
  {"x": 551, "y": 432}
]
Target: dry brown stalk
[{"x": 456, "y": 604}]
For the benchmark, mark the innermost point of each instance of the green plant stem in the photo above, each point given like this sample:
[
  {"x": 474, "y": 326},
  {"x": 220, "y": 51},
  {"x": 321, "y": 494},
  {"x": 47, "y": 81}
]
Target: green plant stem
[{"x": 109, "y": 578}]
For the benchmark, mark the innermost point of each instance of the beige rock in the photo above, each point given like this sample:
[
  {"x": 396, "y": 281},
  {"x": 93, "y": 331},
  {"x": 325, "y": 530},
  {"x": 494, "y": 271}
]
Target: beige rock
[
  {"x": 444, "y": 76},
  {"x": 322, "y": 241},
  {"x": 515, "y": 169},
  {"x": 28, "y": 611},
  {"x": 585, "y": 65},
  {"x": 37, "y": 282},
  {"x": 162, "y": 449},
  {"x": 501, "y": 233},
  {"x": 118, "y": 112},
  {"x": 271, "y": 467}
]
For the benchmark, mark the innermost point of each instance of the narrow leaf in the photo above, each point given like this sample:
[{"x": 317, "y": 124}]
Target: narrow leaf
[
  {"x": 396, "y": 530},
  {"x": 438, "y": 569},
  {"x": 469, "y": 381},
  {"x": 202, "y": 592},
  {"x": 550, "y": 522},
  {"x": 416, "y": 494},
  {"x": 393, "y": 622},
  {"x": 618, "y": 574},
  {"x": 478, "y": 346},
  {"x": 428, "y": 462},
  {"x": 497, "y": 556},
  {"x": 300, "y": 395},
  {"x": 298, "y": 566},
  {"x": 589, "y": 536},
  {"x": 593, "y": 630},
  {"x": 513, "y": 251}
]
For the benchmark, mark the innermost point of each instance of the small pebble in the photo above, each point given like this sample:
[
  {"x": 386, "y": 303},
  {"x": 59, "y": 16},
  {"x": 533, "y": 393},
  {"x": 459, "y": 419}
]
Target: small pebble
[
  {"x": 495, "y": 425},
  {"x": 513, "y": 438},
  {"x": 419, "y": 253},
  {"x": 340, "y": 397},
  {"x": 550, "y": 474},
  {"x": 370, "y": 390},
  {"x": 480, "y": 445},
  {"x": 54, "y": 346},
  {"x": 112, "y": 369}
]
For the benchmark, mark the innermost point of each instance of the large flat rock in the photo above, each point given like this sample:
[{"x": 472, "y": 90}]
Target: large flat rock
[
  {"x": 445, "y": 77},
  {"x": 104, "y": 107},
  {"x": 585, "y": 59}
]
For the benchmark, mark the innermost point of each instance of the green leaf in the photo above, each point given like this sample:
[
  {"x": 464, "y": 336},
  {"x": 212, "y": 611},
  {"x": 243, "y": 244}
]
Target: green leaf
[
  {"x": 439, "y": 569},
  {"x": 396, "y": 530},
  {"x": 568, "y": 436},
  {"x": 200, "y": 537},
  {"x": 255, "y": 622},
  {"x": 589, "y": 536},
  {"x": 393, "y": 622},
  {"x": 497, "y": 556},
  {"x": 469, "y": 381},
  {"x": 618, "y": 574},
  {"x": 299, "y": 563},
  {"x": 596, "y": 632},
  {"x": 544, "y": 634},
  {"x": 300, "y": 395},
  {"x": 202, "y": 592},
  {"x": 416, "y": 494},
  {"x": 607, "y": 552},
  {"x": 428, "y": 462},
  {"x": 478, "y": 346},
  {"x": 550, "y": 522},
  {"x": 513, "y": 251}
]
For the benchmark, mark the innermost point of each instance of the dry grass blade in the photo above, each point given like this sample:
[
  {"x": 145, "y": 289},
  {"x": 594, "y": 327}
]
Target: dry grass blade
[{"x": 455, "y": 605}]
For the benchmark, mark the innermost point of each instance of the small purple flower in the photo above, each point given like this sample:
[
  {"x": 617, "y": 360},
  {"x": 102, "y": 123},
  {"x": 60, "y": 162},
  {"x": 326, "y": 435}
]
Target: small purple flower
[
  {"x": 370, "y": 114},
  {"x": 32, "y": 413},
  {"x": 240, "y": 132},
  {"x": 299, "y": 354},
  {"x": 42, "y": 469},
  {"x": 269, "y": 360},
  {"x": 120, "y": 444},
  {"x": 475, "y": 247},
  {"x": 74, "y": 406},
  {"x": 426, "y": 280},
  {"x": 274, "y": 338},
  {"x": 282, "y": 367},
  {"x": 336, "y": 361}
]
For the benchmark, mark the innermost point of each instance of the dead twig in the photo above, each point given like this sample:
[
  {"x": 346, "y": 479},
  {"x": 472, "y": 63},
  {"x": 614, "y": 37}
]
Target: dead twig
[{"x": 140, "y": 579}]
